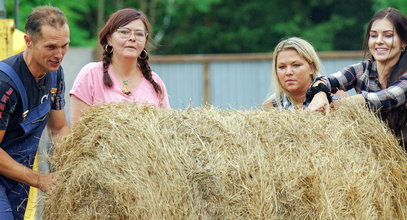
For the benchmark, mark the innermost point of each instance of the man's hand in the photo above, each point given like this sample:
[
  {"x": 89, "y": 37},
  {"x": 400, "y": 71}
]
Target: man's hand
[{"x": 46, "y": 182}]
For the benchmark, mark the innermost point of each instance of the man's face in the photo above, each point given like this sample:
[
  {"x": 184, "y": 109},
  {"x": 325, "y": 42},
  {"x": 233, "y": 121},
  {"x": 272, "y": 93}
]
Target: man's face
[{"x": 49, "y": 49}]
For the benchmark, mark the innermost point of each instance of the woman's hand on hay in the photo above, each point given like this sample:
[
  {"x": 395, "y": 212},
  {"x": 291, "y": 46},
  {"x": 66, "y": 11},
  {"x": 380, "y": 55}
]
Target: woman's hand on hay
[
  {"x": 355, "y": 99},
  {"x": 47, "y": 182},
  {"x": 320, "y": 103},
  {"x": 338, "y": 98}
]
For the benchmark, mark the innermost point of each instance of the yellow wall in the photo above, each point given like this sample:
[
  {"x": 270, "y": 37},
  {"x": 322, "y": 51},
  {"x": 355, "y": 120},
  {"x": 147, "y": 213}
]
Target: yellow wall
[
  {"x": 6, "y": 40},
  {"x": 11, "y": 40},
  {"x": 18, "y": 41}
]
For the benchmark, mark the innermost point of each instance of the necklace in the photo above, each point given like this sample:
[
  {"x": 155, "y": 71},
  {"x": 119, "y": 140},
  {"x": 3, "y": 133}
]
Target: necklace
[{"x": 125, "y": 90}]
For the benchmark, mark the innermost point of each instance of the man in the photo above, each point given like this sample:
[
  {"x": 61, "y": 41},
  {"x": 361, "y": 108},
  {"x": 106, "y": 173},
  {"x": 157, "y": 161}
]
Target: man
[{"x": 31, "y": 96}]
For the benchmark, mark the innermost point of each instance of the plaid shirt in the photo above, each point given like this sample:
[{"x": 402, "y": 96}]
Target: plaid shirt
[
  {"x": 363, "y": 77},
  {"x": 282, "y": 103}
]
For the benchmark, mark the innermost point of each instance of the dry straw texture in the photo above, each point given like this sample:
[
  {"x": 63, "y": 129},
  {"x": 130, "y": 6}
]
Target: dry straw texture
[{"x": 129, "y": 162}]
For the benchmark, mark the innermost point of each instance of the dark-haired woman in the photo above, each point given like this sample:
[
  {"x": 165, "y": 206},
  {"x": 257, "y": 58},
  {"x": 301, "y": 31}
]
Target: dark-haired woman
[
  {"x": 381, "y": 80},
  {"x": 124, "y": 73}
]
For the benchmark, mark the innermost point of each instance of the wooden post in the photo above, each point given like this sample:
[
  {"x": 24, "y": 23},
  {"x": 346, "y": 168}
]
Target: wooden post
[{"x": 207, "y": 98}]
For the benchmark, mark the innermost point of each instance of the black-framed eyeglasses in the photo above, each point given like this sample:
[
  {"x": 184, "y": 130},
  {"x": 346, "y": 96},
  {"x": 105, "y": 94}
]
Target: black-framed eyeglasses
[{"x": 125, "y": 33}]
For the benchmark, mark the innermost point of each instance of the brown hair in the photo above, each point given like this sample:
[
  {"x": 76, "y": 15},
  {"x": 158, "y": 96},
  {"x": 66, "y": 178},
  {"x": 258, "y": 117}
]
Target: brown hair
[
  {"x": 118, "y": 19},
  {"x": 395, "y": 118},
  {"x": 43, "y": 15},
  {"x": 398, "y": 19}
]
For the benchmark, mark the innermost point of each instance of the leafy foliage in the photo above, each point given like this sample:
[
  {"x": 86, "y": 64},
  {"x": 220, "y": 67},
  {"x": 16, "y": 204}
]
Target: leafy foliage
[
  {"x": 399, "y": 4},
  {"x": 226, "y": 26}
]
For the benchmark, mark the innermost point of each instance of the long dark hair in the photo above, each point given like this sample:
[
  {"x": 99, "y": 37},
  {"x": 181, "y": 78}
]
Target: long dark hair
[
  {"x": 118, "y": 19},
  {"x": 395, "y": 118},
  {"x": 398, "y": 19}
]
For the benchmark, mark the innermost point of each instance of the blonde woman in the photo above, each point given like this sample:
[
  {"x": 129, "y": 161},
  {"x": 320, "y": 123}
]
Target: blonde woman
[{"x": 295, "y": 66}]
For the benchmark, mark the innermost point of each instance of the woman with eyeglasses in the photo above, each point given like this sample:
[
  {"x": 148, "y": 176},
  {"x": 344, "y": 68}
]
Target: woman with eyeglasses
[
  {"x": 381, "y": 80},
  {"x": 124, "y": 73}
]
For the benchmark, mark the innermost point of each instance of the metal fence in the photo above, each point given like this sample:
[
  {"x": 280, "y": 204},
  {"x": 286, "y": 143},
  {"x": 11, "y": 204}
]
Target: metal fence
[{"x": 239, "y": 81}]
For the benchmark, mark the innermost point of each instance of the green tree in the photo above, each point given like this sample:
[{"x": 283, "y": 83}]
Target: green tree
[
  {"x": 80, "y": 17},
  {"x": 337, "y": 25},
  {"x": 399, "y": 4},
  {"x": 83, "y": 15},
  {"x": 256, "y": 26},
  {"x": 225, "y": 26}
]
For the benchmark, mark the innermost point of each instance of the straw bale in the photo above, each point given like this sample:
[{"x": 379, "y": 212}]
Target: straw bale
[{"x": 123, "y": 161}]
